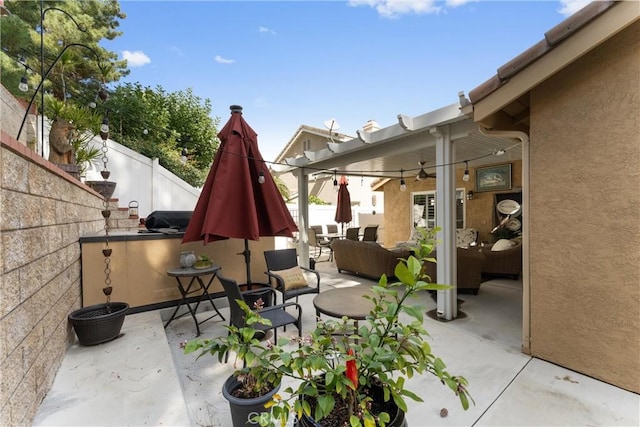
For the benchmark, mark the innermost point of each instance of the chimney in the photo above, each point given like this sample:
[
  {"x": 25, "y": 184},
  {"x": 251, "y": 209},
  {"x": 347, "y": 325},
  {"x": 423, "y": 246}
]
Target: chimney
[{"x": 371, "y": 126}]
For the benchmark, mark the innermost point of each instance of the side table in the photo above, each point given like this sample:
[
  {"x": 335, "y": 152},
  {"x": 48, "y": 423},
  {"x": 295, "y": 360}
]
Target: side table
[{"x": 195, "y": 276}]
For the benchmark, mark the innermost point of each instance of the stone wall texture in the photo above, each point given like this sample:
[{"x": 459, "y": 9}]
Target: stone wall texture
[
  {"x": 584, "y": 210},
  {"x": 43, "y": 213}
]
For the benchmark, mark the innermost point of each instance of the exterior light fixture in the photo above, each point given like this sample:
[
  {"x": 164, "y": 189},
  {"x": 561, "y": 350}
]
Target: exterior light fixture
[
  {"x": 23, "y": 86},
  {"x": 465, "y": 177},
  {"x": 403, "y": 184}
]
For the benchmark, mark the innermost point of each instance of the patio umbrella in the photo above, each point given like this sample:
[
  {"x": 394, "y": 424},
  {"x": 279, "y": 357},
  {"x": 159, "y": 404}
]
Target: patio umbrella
[
  {"x": 343, "y": 209},
  {"x": 239, "y": 199}
]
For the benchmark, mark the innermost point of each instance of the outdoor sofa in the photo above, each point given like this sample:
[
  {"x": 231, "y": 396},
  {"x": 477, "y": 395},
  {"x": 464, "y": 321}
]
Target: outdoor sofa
[{"x": 367, "y": 259}]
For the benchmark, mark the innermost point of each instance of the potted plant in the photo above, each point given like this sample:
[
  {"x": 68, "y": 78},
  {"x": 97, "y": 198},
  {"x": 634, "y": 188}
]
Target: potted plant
[{"x": 342, "y": 375}]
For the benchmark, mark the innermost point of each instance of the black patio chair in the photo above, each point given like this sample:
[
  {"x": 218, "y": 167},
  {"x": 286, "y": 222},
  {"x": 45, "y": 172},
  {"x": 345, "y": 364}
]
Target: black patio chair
[
  {"x": 353, "y": 233},
  {"x": 332, "y": 228},
  {"x": 370, "y": 233},
  {"x": 276, "y": 313},
  {"x": 318, "y": 244},
  {"x": 282, "y": 260}
]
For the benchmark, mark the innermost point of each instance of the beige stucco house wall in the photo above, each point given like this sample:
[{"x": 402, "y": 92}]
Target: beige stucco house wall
[
  {"x": 585, "y": 205},
  {"x": 581, "y": 85}
]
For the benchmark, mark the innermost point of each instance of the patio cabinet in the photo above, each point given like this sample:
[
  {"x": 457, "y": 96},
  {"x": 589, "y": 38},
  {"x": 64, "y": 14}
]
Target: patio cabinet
[{"x": 424, "y": 209}]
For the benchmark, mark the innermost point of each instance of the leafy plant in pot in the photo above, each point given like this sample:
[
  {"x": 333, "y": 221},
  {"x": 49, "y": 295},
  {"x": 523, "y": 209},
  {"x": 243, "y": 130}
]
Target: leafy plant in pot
[{"x": 341, "y": 375}]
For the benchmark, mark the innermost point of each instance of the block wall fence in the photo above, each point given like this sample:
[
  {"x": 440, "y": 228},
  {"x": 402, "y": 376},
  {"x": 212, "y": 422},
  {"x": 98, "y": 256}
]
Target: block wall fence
[{"x": 43, "y": 213}]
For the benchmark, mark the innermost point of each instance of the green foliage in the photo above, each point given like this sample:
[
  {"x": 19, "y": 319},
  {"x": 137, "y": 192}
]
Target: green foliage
[
  {"x": 159, "y": 125},
  {"x": 389, "y": 347},
  {"x": 315, "y": 200},
  {"x": 79, "y": 75},
  {"x": 86, "y": 123}
]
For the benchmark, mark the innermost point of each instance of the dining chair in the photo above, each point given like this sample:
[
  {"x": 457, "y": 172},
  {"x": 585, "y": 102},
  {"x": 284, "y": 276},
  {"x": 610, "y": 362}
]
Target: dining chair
[
  {"x": 370, "y": 233},
  {"x": 287, "y": 276},
  {"x": 277, "y": 313},
  {"x": 318, "y": 243},
  {"x": 332, "y": 228},
  {"x": 353, "y": 233}
]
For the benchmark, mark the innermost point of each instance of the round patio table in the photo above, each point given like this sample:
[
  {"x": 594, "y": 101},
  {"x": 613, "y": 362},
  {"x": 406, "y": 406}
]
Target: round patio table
[{"x": 349, "y": 302}]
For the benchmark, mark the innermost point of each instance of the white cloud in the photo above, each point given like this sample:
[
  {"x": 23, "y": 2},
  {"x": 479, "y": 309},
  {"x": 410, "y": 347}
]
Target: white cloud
[
  {"x": 394, "y": 8},
  {"x": 266, "y": 30},
  {"x": 136, "y": 58},
  {"x": 176, "y": 50},
  {"x": 220, "y": 60},
  {"x": 569, "y": 7}
]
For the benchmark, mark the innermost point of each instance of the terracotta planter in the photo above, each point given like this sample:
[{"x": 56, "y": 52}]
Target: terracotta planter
[{"x": 97, "y": 324}]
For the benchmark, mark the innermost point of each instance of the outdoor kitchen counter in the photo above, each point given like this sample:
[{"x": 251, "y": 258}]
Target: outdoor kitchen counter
[{"x": 139, "y": 264}]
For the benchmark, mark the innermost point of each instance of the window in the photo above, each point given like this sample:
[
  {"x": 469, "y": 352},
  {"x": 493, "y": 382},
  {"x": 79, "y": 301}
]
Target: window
[
  {"x": 424, "y": 209},
  {"x": 306, "y": 145}
]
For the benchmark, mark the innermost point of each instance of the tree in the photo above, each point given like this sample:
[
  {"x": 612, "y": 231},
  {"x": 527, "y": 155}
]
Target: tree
[
  {"x": 78, "y": 75},
  {"x": 160, "y": 125}
]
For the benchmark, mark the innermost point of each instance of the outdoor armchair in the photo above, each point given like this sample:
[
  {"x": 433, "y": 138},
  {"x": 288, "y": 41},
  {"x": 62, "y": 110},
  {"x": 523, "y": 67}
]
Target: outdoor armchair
[
  {"x": 318, "y": 244},
  {"x": 289, "y": 278},
  {"x": 277, "y": 313},
  {"x": 353, "y": 233}
]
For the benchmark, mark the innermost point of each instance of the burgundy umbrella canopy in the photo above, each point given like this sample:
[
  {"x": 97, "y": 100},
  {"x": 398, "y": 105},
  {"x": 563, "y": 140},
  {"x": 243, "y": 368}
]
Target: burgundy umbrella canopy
[
  {"x": 343, "y": 209},
  {"x": 239, "y": 199}
]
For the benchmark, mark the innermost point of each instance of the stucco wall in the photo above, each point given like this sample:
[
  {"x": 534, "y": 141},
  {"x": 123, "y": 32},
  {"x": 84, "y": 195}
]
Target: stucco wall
[
  {"x": 585, "y": 205},
  {"x": 479, "y": 211},
  {"x": 43, "y": 213}
]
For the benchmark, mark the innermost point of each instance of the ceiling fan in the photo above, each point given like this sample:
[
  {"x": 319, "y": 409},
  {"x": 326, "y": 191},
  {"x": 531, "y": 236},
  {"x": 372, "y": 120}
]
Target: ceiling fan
[{"x": 422, "y": 175}]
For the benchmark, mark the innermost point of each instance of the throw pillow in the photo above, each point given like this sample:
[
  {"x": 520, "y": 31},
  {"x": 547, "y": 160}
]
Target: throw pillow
[
  {"x": 292, "y": 277},
  {"x": 501, "y": 245}
]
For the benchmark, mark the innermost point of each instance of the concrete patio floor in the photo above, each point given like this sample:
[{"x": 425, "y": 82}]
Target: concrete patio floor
[{"x": 143, "y": 378}]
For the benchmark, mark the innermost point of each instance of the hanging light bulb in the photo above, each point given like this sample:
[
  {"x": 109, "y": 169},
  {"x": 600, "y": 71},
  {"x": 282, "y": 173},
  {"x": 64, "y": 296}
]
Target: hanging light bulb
[
  {"x": 465, "y": 177},
  {"x": 403, "y": 185},
  {"x": 23, "y": 86},
  {"x": 499, "y": 152},
  {"x": 261, "y": 177},
  {"x": 335, "y": 182},
  {"x": 183, "y": 155},
  {"x": 145, "y": 131}
]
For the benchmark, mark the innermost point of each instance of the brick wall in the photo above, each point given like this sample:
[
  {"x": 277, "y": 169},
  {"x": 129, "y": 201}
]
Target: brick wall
[
  {"x": 43, "y": 213},
  {"x": 11, "y": 117}
]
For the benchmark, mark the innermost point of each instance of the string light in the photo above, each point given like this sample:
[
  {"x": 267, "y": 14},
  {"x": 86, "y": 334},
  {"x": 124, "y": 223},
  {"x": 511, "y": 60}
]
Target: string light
[
  {"x": 335, "y": 182},
  {"x": 23, "y": 86},
  {"x": 403, "y": 185},
  {"x": 183, "y": 155},
  {"x": 465, "y": 177},
  {"x": 261, "y": 177}
]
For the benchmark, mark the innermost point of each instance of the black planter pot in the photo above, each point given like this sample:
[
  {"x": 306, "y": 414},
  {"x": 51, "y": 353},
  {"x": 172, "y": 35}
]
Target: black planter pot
[
  {"x": 97, "y": 324},
  {"x": 377, "y": 393},
  {"x": 244, "y": 410}
]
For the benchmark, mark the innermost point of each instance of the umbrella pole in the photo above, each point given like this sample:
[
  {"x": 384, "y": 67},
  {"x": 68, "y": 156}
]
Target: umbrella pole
[{"x": 247, "y": 261}]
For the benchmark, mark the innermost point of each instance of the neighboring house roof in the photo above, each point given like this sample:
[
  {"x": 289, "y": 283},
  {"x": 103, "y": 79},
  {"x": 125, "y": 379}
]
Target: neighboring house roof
[{"x": 302, "y": 129}]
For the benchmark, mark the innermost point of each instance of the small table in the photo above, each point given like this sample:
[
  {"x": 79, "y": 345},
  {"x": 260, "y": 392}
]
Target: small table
[
  {"x": 349, "y": 302},
  {"x": 195, "y": 275}
]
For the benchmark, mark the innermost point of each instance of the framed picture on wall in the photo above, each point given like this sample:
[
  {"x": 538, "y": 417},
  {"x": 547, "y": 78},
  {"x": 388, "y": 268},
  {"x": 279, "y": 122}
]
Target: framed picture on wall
[{"x": 493, "y": 178}]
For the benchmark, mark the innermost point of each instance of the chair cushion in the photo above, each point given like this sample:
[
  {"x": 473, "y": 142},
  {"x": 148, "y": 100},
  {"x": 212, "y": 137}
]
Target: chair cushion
[
  {"x": 502, "y": 245},
  {"x": 293, "y": 277}
]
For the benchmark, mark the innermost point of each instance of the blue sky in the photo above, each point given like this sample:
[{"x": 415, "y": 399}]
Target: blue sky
[{"x": 290, "y": 63}]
